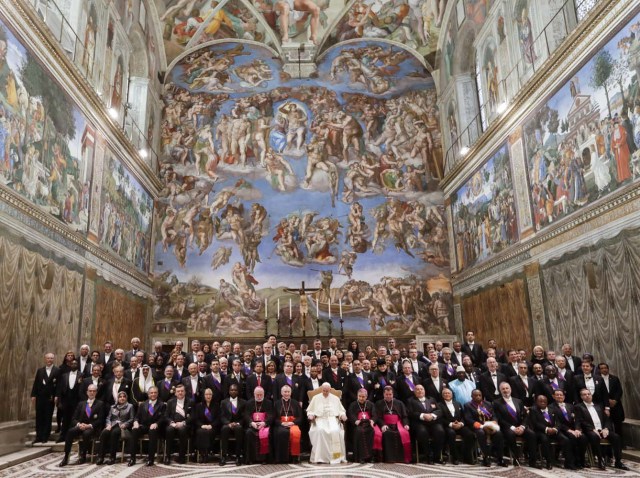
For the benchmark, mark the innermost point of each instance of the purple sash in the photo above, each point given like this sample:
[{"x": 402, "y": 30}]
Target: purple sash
[
  {"x": 383, "y": 382},
  {"x": 87, "y": 410},
  {"x": 151, "y": 409},
  {"x": 289, "y": 382},
  {"x": 512, "y": 411},
  {"x": 207, "y": 413},
  {"x": 167, "y": 385},
  {"x": 215, "y": 382},
  {"x": 564, "y": 413},
  {"x": 547, "y": 417},
  {"x": 234, "y": 409},
  {"x": 410, "y": 383},
  {"x": 361, "y": 380},
  {"x": 554, "y": 386},
  {"x": 450, "y": 368}
]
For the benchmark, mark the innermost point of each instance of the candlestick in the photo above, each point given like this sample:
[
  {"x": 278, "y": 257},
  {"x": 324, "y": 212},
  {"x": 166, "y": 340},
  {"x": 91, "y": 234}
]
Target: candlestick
[
  {"x": 330, "y": 321},
  {"x": 265, "y": 309},
  {"x": 266, "y": 321},
  {"x": 340, "y": 304},
  {"x": 290, "y": 321},
  {"x": 278, "y": 318},
  {"x": 318, "y": 315}
]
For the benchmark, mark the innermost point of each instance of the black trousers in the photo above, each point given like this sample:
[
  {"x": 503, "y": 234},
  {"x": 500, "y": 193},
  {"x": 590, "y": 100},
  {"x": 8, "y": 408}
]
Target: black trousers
[
  {"x": 110, "y": 439},
  {"x": 204, "y": 439},
  {"x": 225, "y": 434},
  {"x": 530, "y": 443},
  {"x": 44, "y": 415},
  {"x": 594, "y": 440},
  {"x": 434, "y": 431},
  {"x": 467, "y": 443},
  {"x": 85, "y": 439},
  {"x": 497, "y": 443},
  {"x": 140, "y": 432},
  {"x": 182, "y": 434}
]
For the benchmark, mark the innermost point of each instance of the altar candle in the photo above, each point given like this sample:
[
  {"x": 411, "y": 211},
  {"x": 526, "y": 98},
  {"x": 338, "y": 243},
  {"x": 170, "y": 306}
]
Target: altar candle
[
  {"x": 265, "y": 309},
  {"x": 318, "y": 306},
  {"x": 340, "y": 308},
  {"x": 329, "y": 307},
  {"x": 289, "y": 308},
  {"x": 278, "y": 311}
]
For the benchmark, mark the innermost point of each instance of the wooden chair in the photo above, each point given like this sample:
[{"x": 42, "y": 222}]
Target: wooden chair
[{"x": 317, "y": 391}]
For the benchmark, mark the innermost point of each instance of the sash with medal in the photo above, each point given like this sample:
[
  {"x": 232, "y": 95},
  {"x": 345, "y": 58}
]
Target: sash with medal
[
  {"x": 361, "y": 380},
  {"x": 547, "y": 418},
  {"x": 263, "y": 433},
  {"x": 512, "y": 411}
]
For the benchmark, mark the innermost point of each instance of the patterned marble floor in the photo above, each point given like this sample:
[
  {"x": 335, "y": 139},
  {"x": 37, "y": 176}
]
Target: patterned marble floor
[{"x": 46, "y": 467}]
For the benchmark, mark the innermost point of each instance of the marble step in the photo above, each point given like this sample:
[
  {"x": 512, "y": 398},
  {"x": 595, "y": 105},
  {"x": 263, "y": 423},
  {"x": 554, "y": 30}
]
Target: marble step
[{"x": 21, "y": 456}]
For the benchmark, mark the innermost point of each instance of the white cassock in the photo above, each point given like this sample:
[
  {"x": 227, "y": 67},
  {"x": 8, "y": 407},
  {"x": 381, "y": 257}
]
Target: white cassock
[{"x": 326, "y": 433}]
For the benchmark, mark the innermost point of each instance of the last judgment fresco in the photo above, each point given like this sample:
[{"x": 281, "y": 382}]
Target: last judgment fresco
[{"x": 270, "y": 181}]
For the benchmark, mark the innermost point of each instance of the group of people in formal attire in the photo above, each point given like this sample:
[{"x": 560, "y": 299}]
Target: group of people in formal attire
[{"x": 272, "y": 402}]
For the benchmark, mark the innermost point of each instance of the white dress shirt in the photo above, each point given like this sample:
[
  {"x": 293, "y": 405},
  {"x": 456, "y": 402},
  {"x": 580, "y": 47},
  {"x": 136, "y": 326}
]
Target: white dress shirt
[
  {"x": 594, "y": 415},
  {"x": 73, "y": 378}
]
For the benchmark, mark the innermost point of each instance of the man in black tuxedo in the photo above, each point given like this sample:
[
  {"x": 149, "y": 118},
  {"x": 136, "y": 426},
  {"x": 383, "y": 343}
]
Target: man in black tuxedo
[
  {"x": 117, "y": 384},
  {"x": 215, "y": 380},
  {"x": 96, "y": 379},
  {"x": 490, "y": 380},
  {"x": 453, "y": 424},
  {"x": 149, "y": 420},
  {"x": 418, "y": 366},
  {"x": 193, "y": 384},
  {"x": 43, "y": 394},
  {"x": 355, "y": 381},
  {"x": 308, "y": 384},
  {"x": 573, "y": 362},
  {"x": 435, "y": 383},
  {"x": 510, "y": 369},
  {"x": 135, "y": 348},
  {"x": 479, "y": 415},
  {"x": 232, "y": 410},
  {"x": 87, "y": 423},
  {"x": 67, "y": 397},
  {"x": 158, "y": 352},
  {"x": 234, "y": 376},
  {"x": 546, "y": 425},
  {"x": 566, "y": 424},
  {"x": 178, "y": 418},
  {"x": 591, "y": 382},
  {"x": 425, "y": 423},
  {"x": 84, "y": 361},
  {"x": 107, "y": 358},
  {"x": 511, "y": 416},
  {"x": 595, "y": 424},
  {"x": 551, "y": 382},
  {"x": 524, "y": 387},
  {"x": 566, "y": 375},
  {"x": 613, "y": 399},
  {"x": 334, "y": 375},
  {"x": 285, "y": 378},
  {"x": 472, "y": 349},
  {"x": 406, "y": 383},
  {"x": 257, "y": 379}
]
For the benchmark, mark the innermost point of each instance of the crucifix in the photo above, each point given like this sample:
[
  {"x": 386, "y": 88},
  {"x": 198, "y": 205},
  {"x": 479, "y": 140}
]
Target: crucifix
[{"x": 304, "y": 309}]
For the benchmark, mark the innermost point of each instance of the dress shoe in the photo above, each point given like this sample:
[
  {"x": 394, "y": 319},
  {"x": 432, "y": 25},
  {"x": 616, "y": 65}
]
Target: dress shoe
[
  {"x": 223, "y": 460},
  {"x": 533, "y": 464},
  {"x": 150, "y": 462},
  {"x": 570, "y": 467},
  {"x": 100, "y": 461},
  {"x": 455, "y": 462},
  {"x": 131, "y": 462},
  {"x": 238, "y": 460},
  {"x": 502, "y": 464},
  {"x": 82, "y": 460},
  {"x": 167, "y": 460},
  {"x": 601, "y": 465},
  {"x": 65, "y": 461},
  {"x": 516, "y": 462},
  {"x": 110, "y": 461},
  {"x": 486, "y": 463},
  {"x": 181, "y": 460},
  {"x": 621, "y": 466}
]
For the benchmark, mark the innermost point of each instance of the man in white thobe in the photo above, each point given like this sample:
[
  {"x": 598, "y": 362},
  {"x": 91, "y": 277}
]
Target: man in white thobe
[{"x": 325, "y": 413}]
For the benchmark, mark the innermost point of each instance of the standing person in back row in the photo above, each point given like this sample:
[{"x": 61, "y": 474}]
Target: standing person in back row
[
  {"x": 473, "y": 349},
  {"x": 43, "y": 394}
]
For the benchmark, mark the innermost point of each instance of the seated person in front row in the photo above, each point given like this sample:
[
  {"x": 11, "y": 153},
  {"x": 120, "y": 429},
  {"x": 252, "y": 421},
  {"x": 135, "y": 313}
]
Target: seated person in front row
[
  {"x": 178, "y": 418},
  {"x": 258, "y": 416},
  {"x": 546, "y": 426},
  {"x": 424, "y": 417},
  {"x": 118, "y": 425},
  {"x": 148, "y": 420},
  {"x": 453, "y": 423},
  {"x": 566, "y": 422},
  {"x": 232, "y": 412},
  {"x": 87, "y": 422},
  {"x": 366, "y": 435},
  {"x": 325, "y": 412},
  {"x": 286, "y": 428},
  {"x": 593, "y": 422},
  {"x": 394, "y": 424},
  {"x": 480, "y": 416},
  {"x": 206, "y": 423}
]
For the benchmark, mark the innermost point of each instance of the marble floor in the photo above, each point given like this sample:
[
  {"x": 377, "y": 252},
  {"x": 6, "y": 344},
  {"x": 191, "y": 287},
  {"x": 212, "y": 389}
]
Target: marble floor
[{"x": 46, "y": 467}]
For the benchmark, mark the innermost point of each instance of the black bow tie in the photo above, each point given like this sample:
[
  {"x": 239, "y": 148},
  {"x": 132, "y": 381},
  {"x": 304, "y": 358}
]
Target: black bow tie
[{"x": 587, "y": 377}]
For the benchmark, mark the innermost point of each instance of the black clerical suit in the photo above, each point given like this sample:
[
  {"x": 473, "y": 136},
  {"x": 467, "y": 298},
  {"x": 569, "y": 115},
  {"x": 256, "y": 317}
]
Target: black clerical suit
[
  {"x": 44, "y": 391},
  {"x": 284, "y": 410},
  {"x": 252, "y": 441},
  {"x": 360, "y": 417},
  {"x": 392, "y": 447}
]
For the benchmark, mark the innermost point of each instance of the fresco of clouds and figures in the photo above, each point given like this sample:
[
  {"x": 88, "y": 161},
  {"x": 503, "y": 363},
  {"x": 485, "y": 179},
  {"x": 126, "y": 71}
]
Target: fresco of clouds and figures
[
  {"x": 484, "y": 212},
  {"x": 582, "y": 144},
  {"x": 271, "y": 181},
  {"x": 46, "y": 144}
]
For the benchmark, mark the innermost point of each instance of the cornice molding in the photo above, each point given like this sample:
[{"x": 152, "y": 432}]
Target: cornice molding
[
  {"x": 36, "y": 35},
  {"x": 74, "y": 240}
]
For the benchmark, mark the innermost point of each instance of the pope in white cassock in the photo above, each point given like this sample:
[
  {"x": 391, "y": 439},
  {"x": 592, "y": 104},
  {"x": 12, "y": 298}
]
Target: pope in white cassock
[{"x": 325, "y": 412}]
